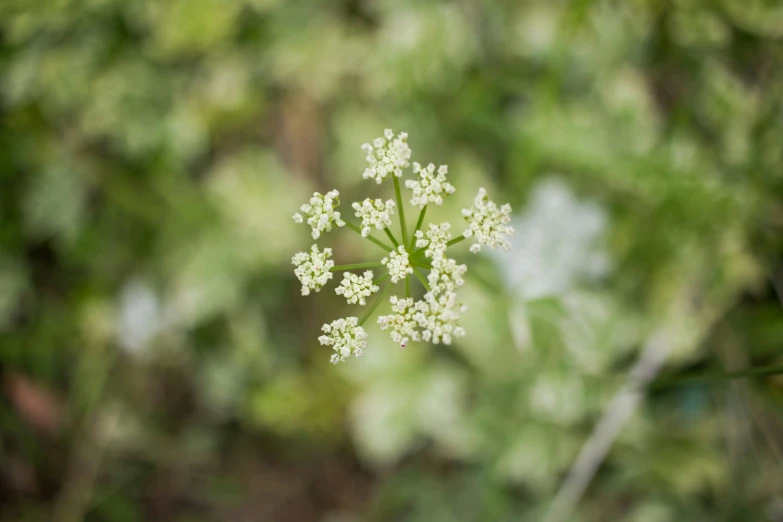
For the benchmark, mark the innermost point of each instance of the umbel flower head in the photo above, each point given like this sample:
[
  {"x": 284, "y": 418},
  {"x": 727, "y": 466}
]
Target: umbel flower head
[
  {"x": 374, "y": 213},
  {"x": 314, "y": 269},
  {"x": 431, "y": 314},
  {"x": 430, "y": 187},
  {"x": 321, "y": 212},
  {"x": 488, "y": 223}
]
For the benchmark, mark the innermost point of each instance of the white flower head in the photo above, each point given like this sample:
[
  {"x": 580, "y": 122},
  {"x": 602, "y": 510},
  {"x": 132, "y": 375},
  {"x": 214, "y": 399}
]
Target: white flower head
[
  {"x": 313, "y": 269},
  {"x": 357, "y": 288},
  {"x": 346, "y": 337},
  {"x": 401, "y": 322},
  {"x": 374, "y": 213},
  {"x": 435, "y": 239},
  {"x": 488, "y": 223},
  {"x": 387, "y": 155},
  {"x": 446, "y": 275},
  {"x": 321, "y": 212},
  {"x": 398, "y": 264},
  {"x": 433, "y": 319},
  {"x": 430, "y": 187}
]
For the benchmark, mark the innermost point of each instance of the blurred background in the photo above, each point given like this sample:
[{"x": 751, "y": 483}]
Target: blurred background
[{"x": 157, "y": 362}]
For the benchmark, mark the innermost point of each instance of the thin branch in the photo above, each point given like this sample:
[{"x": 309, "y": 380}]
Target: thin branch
[
  {"x": 615, "y": 415},
  {"x": 370, "y": 264},
  {"x": 374, "y": 306},
  {"x": 401, "y": 209},
  {"x": 421, "y": 278},
  {"x": 418, "y": 227},
  {"x": 384, "y": 246},
  {"x": 393, "y": 239}
]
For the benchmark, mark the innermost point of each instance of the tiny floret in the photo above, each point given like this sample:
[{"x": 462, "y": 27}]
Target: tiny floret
[
  {"x": 321, "y": 212},
  {"x": 387, "y": 155},
  {"x": 357, "y": 288},
  {"x": 313, "y": 269},
  {"x": 346, "y": 338},
  {"x": 430, "y": 187},
  {"x": 488, "y": 223},
  {"x": 374, "y": 213},
  {"x": 398, "y": 264},
  {"x": 435, "y": 239}
]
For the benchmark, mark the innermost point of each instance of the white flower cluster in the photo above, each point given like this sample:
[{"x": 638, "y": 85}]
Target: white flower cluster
[
  {"x": 374, "y": 213},
  {"x": 346, "y": 337},
  {"x": 435, "y": 239},
  {"x": 313, "y": 269},
  {"x": 321, "y": 210},
  {"x": 433, "y": 319},
  {"x": 357, "y": 288},
  {"x": 430, "y": 187},
  {"x": 398, "y": 264},
  {"x": 446, "y": 275},
  {"x": 387, "y": 155},
  {"x": 488, "y": 223}
]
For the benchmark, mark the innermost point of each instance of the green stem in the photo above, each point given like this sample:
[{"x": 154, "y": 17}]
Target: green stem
[
  {"x": 712, "y": 378},
  {"x": 379, "y": 279},
  {"x": 373, "y": 306},
  {"x": 372, "y": 264},
  {"x": 381, "y": 244},
  {"x": 401, "y": 211},
  {"x": 422, "y": 265},
  {"x": 393, "y": 239},
  {"x": 418, "y": 227},
  {"x": 407, "y": 287},
  {"x": 456, "y": 240},
  {"x": 421, "y": 278}
]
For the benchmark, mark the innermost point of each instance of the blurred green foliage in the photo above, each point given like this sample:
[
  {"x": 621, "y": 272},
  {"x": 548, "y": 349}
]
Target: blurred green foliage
[{"x": 158, "y": 362}]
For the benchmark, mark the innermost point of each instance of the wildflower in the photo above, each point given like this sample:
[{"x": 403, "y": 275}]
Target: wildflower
[
  {"x": 430, "y": 187},
  {"x": 438, "y": 317},
  {"x": 346, "y": 337},
  {"x": 387, "y": 155},
  {"x": 374, "y": 214},
  {"x": 398, "y": 264},
  {"x": 446, "y": 275},
  {"x": 321, "y": 212},
  {"x": 488, "y": 223},
  {"x": 356, "y": 288},
  {"x": 435, "y": 239},
  {"x": 434, "y": 318},
  {"x": 313, "y": 269},
  {"x": 401, "y": 322}
]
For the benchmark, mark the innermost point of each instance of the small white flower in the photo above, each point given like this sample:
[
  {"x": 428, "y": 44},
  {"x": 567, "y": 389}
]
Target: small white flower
[
  {"x": 386, "y": 156},
  {"x": 430, "y": 187},
  {"x": 346, "y": 337},
  {"x": 433, "y": 319},
  {"x": 356, "y": 288},
  {"x": 321, "y": 212},
  {"x": 398, "y": 264},
  {"x": 435, "y": 239},
  {"x": 488, "y": 223},
  {"x": 438, "y": 317},
  {"x": 401, "y": 322},
  {"x": 446, "y": 275},
  {"x": 374, "y": 213},
  {"x": 313, "y": 269}
]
